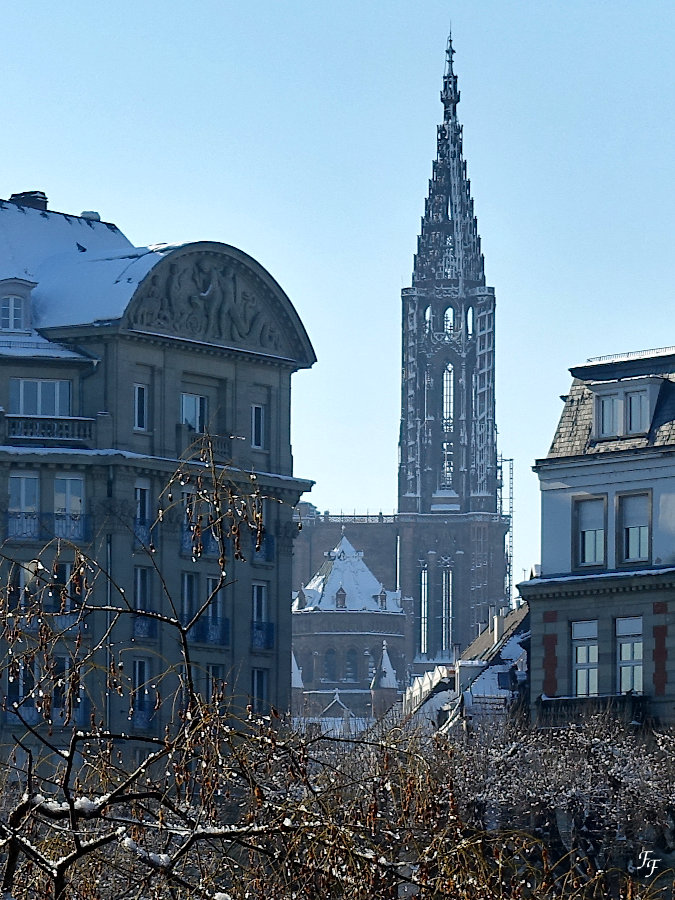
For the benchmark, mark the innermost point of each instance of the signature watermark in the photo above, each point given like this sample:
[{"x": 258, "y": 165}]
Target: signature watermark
[{"x": 647, "y": 863}]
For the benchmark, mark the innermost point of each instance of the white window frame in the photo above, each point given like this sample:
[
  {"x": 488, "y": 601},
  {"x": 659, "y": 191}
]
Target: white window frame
[
  {"x": 585, "y": 658},
  {"x": 258, "y": 426},
  {"x": 13, "y": 313},
  {"x": 629, "y": 655},
  {"x": 142, "y": 501},
  {"x": 68, "y": 518},
  {"x": 24, "y": 519},
  {"x": 141, "y": 393},
  {"x": 194, "y": 411},
  {"x": 19, "y": 403},
  {"x": 637, "y": 412},
  {"x": 634, "y": 528},
  {"x": 143, "y": 588},
  {"x": 590, "y": 543}
]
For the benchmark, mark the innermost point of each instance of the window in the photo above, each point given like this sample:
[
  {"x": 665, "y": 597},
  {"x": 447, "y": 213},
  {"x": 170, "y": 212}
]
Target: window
[
  {"x": 193, "y": 412},
  {"x": 61, "y": 677},
  {"x": 140, "y": 407},
  {"x": 140, "y": 677},
  {"x": 590, "y": 548},
  {"x": 585, "y": 658},
  {"x": 449, "y": 320},
  {"x": 259, "y": 690},
  {"x": 12, "y": 314},
  {"x": 23, "y": 509},
  {"x": 142, "y": 500},
  {"x": 448, "y": 397},
  {"x": 68, "y": 507},
  {"x": 21, "y": 686},
  {"x": 424, "y": 609},
  {"x": 629, "y": 655},
  {"x": 257, "y": 426},
  {"x": 142, "y": 582},
  {"x": 259, "y": 594},
  {"x": 188, "y": 596},
  {"x": 608, "y": 416},
  {"x": 214, "y": 680},
  {"x": 469, "y": 322},
  {"x": 65, "y": 590},
  {"x": 330, "y": 665},
  {"x": 634, "y": 528},
  {"x": 39, "y": 397},
  {"x": 446, "y": 609},
  {"x": 352, "y": 665},
  {"x": 636, "y": 412}
]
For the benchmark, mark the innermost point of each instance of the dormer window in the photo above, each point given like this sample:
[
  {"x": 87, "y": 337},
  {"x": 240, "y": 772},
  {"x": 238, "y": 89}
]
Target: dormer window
[
  {"x": 340, "y": 598},
  {"x": 636, "y": 412},
  {"x": 608, "y": 416},
  {"x": 12, "y": 314},
  {"x": 624, "y": 408}
]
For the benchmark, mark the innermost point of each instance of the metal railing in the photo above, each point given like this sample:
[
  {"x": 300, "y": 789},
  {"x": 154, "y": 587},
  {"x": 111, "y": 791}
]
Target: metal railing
[
  {"x": 34, "y": 526},
  {"x": 209, "y": 630},
  {"x": 262, "y": 635}
]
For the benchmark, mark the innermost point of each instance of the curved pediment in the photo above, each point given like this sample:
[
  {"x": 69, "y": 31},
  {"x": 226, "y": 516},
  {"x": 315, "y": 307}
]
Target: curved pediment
[{"x": 217, "y": 294}]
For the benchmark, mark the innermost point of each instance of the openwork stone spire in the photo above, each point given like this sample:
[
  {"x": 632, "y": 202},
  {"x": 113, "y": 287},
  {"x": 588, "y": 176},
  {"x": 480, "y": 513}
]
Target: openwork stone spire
[{"x": 448, "y": 249}]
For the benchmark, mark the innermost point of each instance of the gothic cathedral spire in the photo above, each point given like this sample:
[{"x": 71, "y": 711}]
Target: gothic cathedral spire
[{"x": 448, "y": 456}]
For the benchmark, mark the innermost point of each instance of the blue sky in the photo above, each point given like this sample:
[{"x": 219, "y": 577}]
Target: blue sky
[{"x": 304, "y": 132}]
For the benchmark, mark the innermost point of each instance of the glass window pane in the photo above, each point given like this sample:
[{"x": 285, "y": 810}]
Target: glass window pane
[
  {"x": 588, "y": 629},
  {"x": 47, "y": 402},
  {"x": 29, "y": 406},
  {"x": 593, "y": 653},
  {"x": 629, "y": 625}
]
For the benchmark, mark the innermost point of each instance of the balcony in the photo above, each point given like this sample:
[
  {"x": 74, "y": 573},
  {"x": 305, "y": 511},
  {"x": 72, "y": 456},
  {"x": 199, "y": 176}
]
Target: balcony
[
  {"x": 189, "y": 541},
  {"x": 33, "y": 526},
  {"x": 211, "y": 631},
  {"x": 143, "y": 714},
  {"x": 266, "y": 552},
  {"x": 51, "y": 431},
  {"x": 144, "y": 536},
  {"x": 555, "y": 711},
  {"x": 262, "y": 636},
  {"x": 145, "y": 627},
  {"x": 32, "y": 715}
]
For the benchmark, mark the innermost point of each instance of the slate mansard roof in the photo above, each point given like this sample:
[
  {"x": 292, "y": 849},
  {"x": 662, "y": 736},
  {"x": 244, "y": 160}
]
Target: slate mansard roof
[
  {"x": 86, "y": 272},
  {"x": 574, "y": 434}
]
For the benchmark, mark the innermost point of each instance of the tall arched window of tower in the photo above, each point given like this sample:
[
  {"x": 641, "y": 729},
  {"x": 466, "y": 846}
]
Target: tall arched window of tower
[
  {"x": 469, "y": 322},
  {"x": 448, "y": 397},
  {"x": 449, "y": 320},
  {"x": 427, "y": 318}
]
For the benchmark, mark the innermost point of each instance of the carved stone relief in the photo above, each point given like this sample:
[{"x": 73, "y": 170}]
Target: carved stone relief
[{"x": 205, "y": 296}]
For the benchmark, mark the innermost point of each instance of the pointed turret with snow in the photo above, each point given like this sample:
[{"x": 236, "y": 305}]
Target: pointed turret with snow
[{"x": 384, "y": 686}]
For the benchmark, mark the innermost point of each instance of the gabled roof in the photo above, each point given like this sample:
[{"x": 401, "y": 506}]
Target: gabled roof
[{"x": 345, "y": 571}]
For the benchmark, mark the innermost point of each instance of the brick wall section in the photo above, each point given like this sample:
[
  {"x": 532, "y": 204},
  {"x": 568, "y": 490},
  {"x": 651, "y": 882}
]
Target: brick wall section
[
  {"x": 550, "y": 664},
  {"x": 550, "y": 615}
]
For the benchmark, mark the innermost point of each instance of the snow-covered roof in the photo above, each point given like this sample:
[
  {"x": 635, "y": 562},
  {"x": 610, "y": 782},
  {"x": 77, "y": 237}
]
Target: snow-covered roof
[
  {"x": 84, "y": 270},
  {"x": 344, "y": 581}
]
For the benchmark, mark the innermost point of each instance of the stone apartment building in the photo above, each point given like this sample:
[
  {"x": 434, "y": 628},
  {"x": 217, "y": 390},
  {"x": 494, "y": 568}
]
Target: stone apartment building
[
  {"x": 602, "y": 615},
  {"x": 114, "y": 361}
]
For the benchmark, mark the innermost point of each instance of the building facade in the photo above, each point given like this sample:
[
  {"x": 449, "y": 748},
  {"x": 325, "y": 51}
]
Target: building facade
[
  {"x": 446, "y": 544},
  {"x": 120, "y": 365},
  {"x": 602, "y": 606}
]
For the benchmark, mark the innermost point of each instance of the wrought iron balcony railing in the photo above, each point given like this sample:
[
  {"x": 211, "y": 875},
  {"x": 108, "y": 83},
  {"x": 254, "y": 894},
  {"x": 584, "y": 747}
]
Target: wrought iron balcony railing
[
  {"x": 145, "y": 627},
  {"x": 34, "y": 526},
  {"x": 262, "y": 635},
  {"x": 208, "y": 630}
]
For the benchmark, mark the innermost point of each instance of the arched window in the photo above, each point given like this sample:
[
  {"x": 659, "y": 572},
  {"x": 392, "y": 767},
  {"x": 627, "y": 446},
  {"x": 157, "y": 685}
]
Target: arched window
[
  {"x": 424, "y": 610},
  {"x": 308, "y": 669},
  {"x": 427, "y": 318},
  {"x": 329, "y": 666},
  {"x": 469, "y": 322},
  {"x": 448, "y": 397},
  {"x": 352, "y": 665},
  {"x": 449, "y": 320}
]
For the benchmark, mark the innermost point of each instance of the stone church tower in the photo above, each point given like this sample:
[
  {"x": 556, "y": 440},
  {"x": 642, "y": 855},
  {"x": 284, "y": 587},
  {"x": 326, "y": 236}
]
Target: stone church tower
[
  {"x": 445, "y": 548},
  {"x": 452, "y": 557}
]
